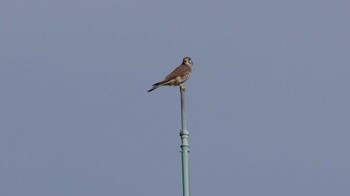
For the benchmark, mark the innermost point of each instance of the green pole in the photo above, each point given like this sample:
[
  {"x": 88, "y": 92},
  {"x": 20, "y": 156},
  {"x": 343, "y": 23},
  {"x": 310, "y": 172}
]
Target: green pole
[{"x": 185, "y": 149}]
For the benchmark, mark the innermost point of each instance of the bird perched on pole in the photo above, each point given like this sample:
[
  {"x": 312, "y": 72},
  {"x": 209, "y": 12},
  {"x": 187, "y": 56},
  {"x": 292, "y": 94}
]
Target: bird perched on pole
[{"x": 176, "y": 77}]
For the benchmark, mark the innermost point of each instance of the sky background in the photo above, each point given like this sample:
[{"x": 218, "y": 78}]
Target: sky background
[{"x": 268, "y": 103}]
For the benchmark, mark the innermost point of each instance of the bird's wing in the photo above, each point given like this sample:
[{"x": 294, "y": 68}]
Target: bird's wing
[{"x": 181, "y": 71}]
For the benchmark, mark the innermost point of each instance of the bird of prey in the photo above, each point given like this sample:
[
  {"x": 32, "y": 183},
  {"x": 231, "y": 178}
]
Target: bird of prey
[{"x": 176, "y": 77}]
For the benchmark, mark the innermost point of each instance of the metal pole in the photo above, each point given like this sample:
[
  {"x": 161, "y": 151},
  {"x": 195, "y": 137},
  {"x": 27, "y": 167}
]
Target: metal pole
[{"x": 185, "y": 149}]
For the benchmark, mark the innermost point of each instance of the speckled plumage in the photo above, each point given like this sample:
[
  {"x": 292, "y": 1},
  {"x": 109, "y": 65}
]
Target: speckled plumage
[{"x": 176, "y": 77}]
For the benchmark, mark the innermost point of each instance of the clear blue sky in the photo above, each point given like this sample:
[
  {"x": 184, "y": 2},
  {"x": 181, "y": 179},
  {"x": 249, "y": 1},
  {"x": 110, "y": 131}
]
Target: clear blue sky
[{"x": 268, "y": 104}]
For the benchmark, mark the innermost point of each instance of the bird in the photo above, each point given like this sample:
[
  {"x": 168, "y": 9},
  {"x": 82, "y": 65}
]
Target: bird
[{"x": 178, "y": 76}]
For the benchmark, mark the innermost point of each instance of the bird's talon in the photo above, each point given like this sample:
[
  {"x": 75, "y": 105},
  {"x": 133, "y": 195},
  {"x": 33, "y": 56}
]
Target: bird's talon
[{"x": 183, "y": 89}]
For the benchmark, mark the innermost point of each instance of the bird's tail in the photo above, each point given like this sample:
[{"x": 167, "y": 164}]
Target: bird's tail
[{"x": 155, "y": 86}]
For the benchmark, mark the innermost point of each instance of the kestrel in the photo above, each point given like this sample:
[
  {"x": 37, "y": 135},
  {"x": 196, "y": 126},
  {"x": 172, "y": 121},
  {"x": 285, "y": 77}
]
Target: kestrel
[{"x": 176, "y": 77}]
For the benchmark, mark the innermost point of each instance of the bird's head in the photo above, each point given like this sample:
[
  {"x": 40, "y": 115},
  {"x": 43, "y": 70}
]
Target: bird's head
[{"x": 187, "y": 60}]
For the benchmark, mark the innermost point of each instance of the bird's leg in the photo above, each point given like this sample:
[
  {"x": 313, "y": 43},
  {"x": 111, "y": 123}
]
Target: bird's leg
[{"x": 182, "y": 88}]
